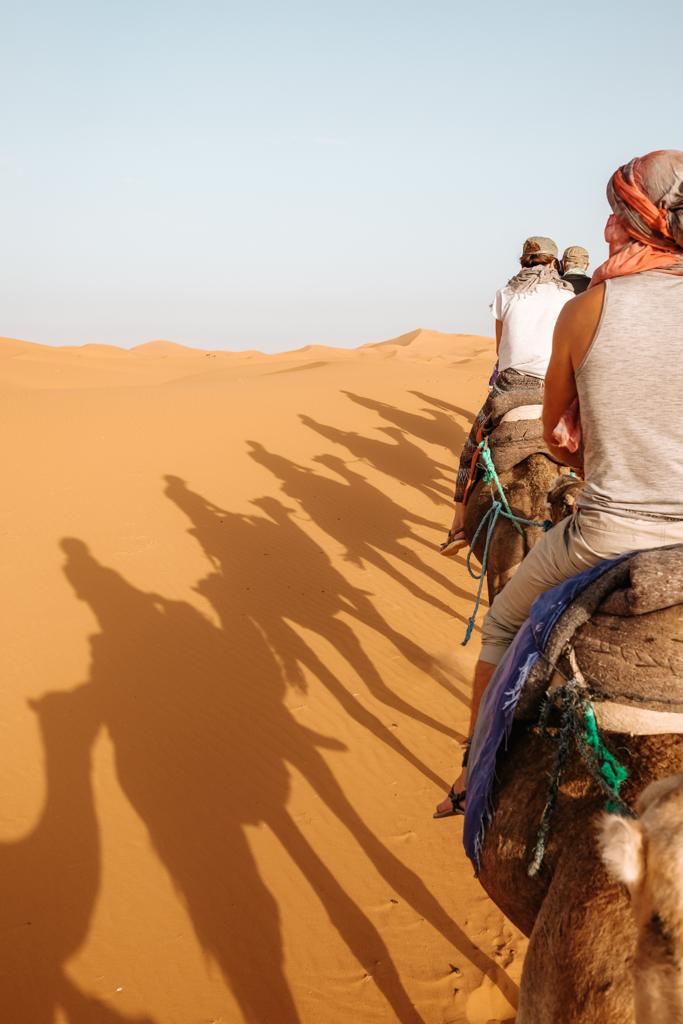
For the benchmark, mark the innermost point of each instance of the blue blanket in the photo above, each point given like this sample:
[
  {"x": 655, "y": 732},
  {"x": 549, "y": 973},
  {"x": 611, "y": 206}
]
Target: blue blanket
[{"x": 500, "y": 700}]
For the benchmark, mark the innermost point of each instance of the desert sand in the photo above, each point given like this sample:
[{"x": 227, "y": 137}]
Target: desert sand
[{"x": 233, "y": 689}]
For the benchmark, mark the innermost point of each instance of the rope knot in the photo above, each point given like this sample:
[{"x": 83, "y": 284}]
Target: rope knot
[{"x": 579, "y": 727}]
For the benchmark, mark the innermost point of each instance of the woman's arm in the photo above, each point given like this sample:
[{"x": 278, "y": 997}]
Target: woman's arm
[
  {"x": 574, "y": 332},
  {"x": 499, "y": 334}
]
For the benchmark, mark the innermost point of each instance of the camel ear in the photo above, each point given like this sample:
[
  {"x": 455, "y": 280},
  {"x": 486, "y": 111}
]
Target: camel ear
[{"x": 621, "y": 848}]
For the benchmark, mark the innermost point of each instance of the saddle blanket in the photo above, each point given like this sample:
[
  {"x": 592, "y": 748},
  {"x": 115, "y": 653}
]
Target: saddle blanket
[{"x": 497, "y": 709}]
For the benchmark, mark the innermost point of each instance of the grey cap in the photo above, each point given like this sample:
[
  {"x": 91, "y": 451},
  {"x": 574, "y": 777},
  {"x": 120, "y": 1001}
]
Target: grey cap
[
  {"x": 575, "y": 256},
  {"x": 539, "y": 245}
]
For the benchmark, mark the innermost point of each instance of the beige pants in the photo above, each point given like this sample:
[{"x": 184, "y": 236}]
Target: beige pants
[{"x": 575, "y": 544}]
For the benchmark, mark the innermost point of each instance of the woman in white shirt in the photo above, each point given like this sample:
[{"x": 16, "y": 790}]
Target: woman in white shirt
[{"x": 525, "y": 311}]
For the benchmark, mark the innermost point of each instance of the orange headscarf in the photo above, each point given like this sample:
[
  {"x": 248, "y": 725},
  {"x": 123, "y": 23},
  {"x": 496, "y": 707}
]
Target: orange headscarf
[{"x": 645, "y": 232}]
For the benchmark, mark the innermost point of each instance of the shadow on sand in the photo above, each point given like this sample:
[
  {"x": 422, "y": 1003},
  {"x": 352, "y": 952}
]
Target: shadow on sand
[
  {"x": 203, "y": 747},
  {"x": 51, "y": 877},
  {"x": 438, "y": 403},
  {"x": 398, "y": 458},
  {"x": 372, "y": 528},
  {"x": 437, "y": 427},
  {"x": 280, "y": 578}
]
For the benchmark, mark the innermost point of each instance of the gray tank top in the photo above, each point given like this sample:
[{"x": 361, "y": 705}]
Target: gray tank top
[{"x": 630, "y": 387}]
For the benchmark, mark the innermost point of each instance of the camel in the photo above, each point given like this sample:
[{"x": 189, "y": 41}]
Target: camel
[
  {"x": 645, "y": 855},
  {"x": 527, "y": 486},
  {"x": 582, "y": 934}
]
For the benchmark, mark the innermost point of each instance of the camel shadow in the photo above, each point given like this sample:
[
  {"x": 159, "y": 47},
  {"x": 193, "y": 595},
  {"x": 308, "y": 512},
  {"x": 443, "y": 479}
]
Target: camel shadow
[
  {"x": 399, "y": 458},
  {"x": 51, "y": 876},
  {"x": 371, "y": 527},
  {"x": 285, "y": 579},
  {"x": 204, "y": 746},
  {"x": 437, "y": 427},
  {"x": 439, "y": 403}
]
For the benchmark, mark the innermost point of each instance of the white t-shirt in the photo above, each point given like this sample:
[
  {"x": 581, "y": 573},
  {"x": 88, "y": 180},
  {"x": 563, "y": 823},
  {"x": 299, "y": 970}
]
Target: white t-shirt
[{"x": 528, "y": 324}]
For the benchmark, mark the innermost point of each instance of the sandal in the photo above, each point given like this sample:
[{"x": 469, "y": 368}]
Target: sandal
[
  {"x": 456, "y": 800},
  {"x": 455, "y": 541}
]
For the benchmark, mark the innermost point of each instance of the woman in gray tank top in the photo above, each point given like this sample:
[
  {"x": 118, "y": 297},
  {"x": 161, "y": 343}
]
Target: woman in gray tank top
[{"x": 618, "y": 349}]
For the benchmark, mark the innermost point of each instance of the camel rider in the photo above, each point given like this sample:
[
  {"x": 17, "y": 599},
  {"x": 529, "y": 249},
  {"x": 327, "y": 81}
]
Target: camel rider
[
  {"x": 575, "y": 260},
  {"x": 617, "y": 348},
  {"x": 525, "y": 311}
]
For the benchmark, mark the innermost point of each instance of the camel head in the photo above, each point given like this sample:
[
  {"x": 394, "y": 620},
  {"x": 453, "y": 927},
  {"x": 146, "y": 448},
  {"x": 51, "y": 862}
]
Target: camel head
[
  {"x": 646, "y": 855},
  {"x": 562, "y": 496}
]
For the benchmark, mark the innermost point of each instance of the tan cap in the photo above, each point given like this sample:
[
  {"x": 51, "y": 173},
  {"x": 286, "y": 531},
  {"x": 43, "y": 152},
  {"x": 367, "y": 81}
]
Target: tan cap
[
  {"x": 575, "y": 256},
  {"x": 538, "y": 245}
]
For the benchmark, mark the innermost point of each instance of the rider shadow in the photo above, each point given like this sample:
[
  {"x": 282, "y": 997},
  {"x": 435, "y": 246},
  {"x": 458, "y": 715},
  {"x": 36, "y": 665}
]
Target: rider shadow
[
  {"x": 280, "y": 577},
  {"x": 203, "y": 747},
  {"x": 203, "y": 743},
  {"x": 437, "y": 427},
  {"x": 238, "y": 584},
  {"x": 51, "y": 876},
  {"x": 369, "y": 525},
  {"x": 438, "y": 403},
  {"x": 399, "y": 458}
]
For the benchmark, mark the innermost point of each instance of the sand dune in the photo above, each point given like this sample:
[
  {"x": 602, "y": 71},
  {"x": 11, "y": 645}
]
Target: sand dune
[
  {"x": 422, "y": 344},
  {"x": 233, "y": 686}
]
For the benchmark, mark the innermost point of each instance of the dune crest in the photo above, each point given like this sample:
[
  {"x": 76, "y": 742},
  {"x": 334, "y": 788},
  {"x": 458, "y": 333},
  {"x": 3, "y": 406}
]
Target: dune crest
[
  {"x": 31, "y": 365},
  {"x": 426, "y": 344},
  {"x": 162, "y": 349}
]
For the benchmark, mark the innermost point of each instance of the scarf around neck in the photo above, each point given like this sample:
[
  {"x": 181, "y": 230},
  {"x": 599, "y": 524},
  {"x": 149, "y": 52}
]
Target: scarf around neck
[
  {"x": 529, "y": 278},
  {"x": 645, "y": 231}
]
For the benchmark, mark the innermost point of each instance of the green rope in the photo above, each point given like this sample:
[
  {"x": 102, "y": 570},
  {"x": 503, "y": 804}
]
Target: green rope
[
  {"x": 490, "y": 475},
  {"x": 577, "y": 723},
  {"x": 612, "y": 771}
]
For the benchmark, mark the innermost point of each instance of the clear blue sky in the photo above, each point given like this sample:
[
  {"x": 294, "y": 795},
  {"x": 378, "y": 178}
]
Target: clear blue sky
[{"x": 271, "y": 174}]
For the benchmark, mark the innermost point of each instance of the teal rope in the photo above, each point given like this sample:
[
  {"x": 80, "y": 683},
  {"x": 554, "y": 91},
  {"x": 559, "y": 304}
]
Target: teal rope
[
  {"x": 490, "y": 475},
  {"x": 578, "y": 724},
  {"x": 612, "y": 771},
  {"x": 497, "y": 509}
]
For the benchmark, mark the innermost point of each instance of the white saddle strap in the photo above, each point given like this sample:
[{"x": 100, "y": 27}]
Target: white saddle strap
[
  {"x": 523, "y": 412},
  {"x": 613, "y": 717}
]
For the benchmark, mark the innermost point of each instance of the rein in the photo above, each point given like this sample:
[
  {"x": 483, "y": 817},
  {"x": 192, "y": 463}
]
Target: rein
[{"x": 499, "y": 507}]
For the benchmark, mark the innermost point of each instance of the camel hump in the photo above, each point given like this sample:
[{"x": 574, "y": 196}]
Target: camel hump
[
  {"x": 626, "y": 631},
  {"x": 655, "y": 581},
  {"x": 513, "y": 439},
  {"x": 512, "y": 442}
]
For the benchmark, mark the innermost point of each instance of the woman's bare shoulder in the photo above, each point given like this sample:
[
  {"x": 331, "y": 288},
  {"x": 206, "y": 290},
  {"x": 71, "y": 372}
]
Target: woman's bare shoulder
[{"x": 578, "y": 322}]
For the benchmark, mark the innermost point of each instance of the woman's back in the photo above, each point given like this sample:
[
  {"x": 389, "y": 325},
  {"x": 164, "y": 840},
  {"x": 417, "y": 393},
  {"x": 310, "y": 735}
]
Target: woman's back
[
  {"x": 528, "y": 319},
  {"x": 630, "y": 387}
]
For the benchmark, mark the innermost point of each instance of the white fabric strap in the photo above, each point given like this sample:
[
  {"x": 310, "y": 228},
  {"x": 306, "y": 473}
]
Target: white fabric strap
[
  {"x": 523, "y": 412},
  {"x": 613, "y": 717}
]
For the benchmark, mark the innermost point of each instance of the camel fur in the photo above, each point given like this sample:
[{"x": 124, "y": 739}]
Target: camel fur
[
  {"x": 526, "y": 486},
  {"x": 646, "y": 855}
]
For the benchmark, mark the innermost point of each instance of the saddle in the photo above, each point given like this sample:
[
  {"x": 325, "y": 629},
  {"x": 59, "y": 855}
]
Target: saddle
[
  {"x": 515, "y": 428},
  {"x": 625, "y": 631}
]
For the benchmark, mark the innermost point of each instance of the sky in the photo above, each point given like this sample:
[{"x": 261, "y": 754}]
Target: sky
[{"x": 273, "y": 174}]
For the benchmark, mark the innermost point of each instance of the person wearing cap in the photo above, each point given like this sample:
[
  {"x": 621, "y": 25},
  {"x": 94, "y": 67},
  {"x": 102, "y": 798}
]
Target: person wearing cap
[
  {"x": 575, "y": 260},
  {"x": 525, "y": 311}
]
